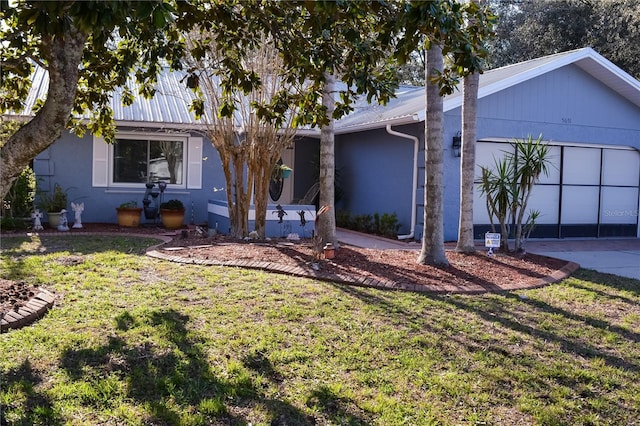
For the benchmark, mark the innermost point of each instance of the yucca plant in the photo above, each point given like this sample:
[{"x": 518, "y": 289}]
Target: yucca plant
[
  {"x": 531, "y": 161},
  {"x": 507, "y": 188},
  {"x": 497, "y": 186}
]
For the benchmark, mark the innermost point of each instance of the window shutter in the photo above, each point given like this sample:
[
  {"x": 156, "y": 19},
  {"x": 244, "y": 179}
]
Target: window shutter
[
  {"x": 100, "y": 170},
  {"x": 194, "y": 163}
]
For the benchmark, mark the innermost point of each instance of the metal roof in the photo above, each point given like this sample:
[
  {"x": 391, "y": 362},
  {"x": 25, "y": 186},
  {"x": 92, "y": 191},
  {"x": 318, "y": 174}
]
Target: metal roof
[
  {"x": 410, "y": 105},
  {"x": 169, "y": 109}
]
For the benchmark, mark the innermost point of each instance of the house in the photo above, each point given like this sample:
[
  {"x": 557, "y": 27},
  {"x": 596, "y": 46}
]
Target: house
[
  {"x": 158, "y": 140},
  {"x": 585, "y": 107}
]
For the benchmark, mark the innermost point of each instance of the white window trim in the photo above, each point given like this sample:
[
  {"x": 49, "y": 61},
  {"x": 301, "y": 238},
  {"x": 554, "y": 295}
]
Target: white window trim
[{"x": 102, "y": 167}]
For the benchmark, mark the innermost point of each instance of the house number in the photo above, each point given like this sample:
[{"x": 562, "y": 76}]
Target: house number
[{"x": 566, "y": 120}]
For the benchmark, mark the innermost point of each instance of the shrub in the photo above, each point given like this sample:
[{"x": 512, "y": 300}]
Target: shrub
[
  {"x": 388, "y": 225},
  {"x": 343, "y": 219},
  {"x": 19, "y": 200},
  {"x": 363, "y": 223}
]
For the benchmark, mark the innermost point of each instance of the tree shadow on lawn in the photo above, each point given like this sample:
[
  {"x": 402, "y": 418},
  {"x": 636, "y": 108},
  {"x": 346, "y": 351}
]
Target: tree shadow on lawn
[
  {"x": 533, "y": 375},
  {"x": 172, "y": 376},
  {"x": 607, "y": 280},
  {"x": 36, "y": 407},
  {"x": 515, "y": 319},
  {"x": 321, "y": 398},
  {"x": 13, "y": 246}
]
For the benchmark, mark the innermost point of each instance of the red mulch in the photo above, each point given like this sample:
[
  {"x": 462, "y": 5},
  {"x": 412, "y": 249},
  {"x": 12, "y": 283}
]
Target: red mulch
[{"x": 466, "y": 272}]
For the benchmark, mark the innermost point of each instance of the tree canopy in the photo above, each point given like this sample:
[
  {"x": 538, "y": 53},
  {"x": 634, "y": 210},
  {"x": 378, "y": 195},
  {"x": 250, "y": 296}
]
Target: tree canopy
[
  {"x": 530, "y": 29},
  {"x": 88, "y": 48}
]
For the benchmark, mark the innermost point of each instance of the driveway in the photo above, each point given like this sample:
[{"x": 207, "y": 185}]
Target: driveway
[{"x": 611, "y": 256}]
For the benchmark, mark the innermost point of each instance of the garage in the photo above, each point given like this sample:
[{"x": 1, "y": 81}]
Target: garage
[{"x": 591, "y": 191}]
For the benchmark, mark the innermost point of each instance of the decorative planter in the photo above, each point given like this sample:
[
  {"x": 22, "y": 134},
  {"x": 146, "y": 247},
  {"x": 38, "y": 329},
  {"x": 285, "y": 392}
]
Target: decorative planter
[
  {"x": 54, "y": 219},
  {"x": 150, "y": 213},
  {"x": 129, "y": 216},
  {"x": 285, "y": 173},
  {"x": 172, "y": 219}
]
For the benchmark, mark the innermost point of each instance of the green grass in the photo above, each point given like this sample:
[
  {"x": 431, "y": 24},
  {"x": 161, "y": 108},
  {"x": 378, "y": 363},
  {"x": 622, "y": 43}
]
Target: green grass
[{"x": 139, "y": 341}]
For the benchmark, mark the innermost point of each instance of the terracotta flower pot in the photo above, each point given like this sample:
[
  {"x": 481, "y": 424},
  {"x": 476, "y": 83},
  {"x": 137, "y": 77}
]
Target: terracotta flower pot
[
  {"x": 129, "y": 216},
  {"x": 172, "y": 219}
]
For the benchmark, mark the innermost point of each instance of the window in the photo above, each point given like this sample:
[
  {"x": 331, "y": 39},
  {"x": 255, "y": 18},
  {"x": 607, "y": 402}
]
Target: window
[
  {"x": 134, "y": 158},
  {"x": 140, "y": 160}
]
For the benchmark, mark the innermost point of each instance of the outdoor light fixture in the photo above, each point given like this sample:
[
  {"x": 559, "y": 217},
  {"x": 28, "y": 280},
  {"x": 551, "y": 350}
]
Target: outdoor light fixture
[{"x": 456, "y": 144}]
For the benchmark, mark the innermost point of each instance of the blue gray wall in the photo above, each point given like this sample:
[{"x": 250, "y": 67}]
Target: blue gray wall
[
  {"x": 376, "y": 173},
  {"x": 565, "y": 105},
  {"x": 69, "y": 162}
]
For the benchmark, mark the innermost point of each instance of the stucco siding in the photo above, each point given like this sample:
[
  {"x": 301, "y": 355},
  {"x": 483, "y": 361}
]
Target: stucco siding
[
  {"x": 376, "y": 174},
  {"x": 69, "y": 163},
  {"x": 563, "y": 99}
]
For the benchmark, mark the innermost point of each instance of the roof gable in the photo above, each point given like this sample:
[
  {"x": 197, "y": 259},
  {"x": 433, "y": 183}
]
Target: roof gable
[{"x": 409, "y": 106}]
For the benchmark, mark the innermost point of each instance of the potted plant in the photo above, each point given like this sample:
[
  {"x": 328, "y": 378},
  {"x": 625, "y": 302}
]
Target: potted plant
[
  {"x": 129, "y": 214},
  {"x": 53, "y": 203},
  {"x": 281, "y": 171},
  {"x": 172, "y": 213}
]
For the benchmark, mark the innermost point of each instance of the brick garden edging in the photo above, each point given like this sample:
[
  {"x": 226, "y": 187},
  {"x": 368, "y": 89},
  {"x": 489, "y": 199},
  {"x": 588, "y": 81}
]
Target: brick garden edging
[
  {"x": 25, "y": 315},
  {"x": 309, "y": 272}
]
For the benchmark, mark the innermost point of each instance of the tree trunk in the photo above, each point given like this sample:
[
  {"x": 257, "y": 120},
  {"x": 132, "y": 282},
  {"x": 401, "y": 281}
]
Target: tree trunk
[
  {"x": 63, "y": 56},
  {"x": 263, "y": 166},
  {"x": 504, "y": 235},
  {"x": 326, "y": 223},
  {"x": 238, "y": 200},
  {"x": 433, "y": 239},
  {"x": 467, "y": 163}
]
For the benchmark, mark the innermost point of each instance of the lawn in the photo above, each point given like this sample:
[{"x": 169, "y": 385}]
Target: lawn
[{"x": 138, "y": 341}]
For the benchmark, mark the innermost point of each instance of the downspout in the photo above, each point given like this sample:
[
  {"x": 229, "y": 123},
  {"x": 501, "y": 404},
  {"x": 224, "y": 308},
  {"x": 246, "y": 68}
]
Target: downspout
[{"x": 415, "y": 179}]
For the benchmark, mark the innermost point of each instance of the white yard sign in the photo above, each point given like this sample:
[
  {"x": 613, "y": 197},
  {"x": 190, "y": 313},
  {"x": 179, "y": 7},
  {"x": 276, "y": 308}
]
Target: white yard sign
[{"x": 491, "y": 240}]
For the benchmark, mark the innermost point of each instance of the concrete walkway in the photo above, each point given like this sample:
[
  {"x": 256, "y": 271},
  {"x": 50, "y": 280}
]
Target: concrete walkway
[
  {"x": 619, "y": 256},
  {"x": 359, "y": 239}
]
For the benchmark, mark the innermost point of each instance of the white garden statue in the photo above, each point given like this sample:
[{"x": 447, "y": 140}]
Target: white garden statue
[
  {"x": 64, "y": 225},
  {"x": 77, "y": 210},
  {"x": 37, "y": 223}
]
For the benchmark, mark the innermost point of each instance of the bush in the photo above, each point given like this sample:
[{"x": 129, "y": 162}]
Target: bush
[
  {"x": 19, "y": 200},
  {"x": 386, "y": 224},
  {"x": 343, "y": 219},
  {"x": 363, "y": 223},
  {"x": 8, "y": 223}
]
